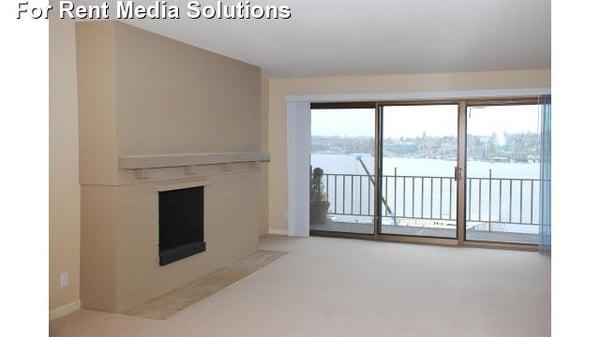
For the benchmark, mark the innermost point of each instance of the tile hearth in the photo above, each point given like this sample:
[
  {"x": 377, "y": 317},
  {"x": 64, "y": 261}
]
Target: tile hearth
[{"x": 166, "y": 305}]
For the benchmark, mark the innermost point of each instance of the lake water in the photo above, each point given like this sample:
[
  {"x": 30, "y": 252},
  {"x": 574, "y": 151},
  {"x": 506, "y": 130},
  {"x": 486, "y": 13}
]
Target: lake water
[
  {"x": 347, "y": 164},
  {"x": 430, "y": 199}
]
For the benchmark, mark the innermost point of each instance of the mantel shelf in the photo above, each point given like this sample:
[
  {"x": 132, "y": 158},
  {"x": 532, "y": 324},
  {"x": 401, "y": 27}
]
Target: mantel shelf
[{"x": 155, "y": 161}]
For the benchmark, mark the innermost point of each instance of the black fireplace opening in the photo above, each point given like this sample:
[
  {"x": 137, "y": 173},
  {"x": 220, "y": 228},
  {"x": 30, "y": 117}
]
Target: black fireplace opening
[{"x": 180, "y": 224}]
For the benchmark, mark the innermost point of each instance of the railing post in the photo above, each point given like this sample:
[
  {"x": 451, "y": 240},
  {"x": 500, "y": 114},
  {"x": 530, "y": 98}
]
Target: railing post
[
  {"x": 431, "y": 197},
  {"x": 531, "y": 200},
  {"x": 352, "y": 194},
  {"x": 335, "y": 193},
  {"x": 470, "y": 183},
  {"x": 500, "y": 201},
  {"x": 360, "y": 208},
  {"x": 450, "y": 200},
  {"x": 422, "y": 196},
  {"x": 404, "y": 196},
  {"x": 395, "y": 194},
  {"x": 490, "y": 203},
  {"x": 479, "y": 203},
  {"x": 510, "y": 188},
  {"x": 521, "y": 201},
  {"x": 412, "y": 203},
  {"x": 343, "y": 193},
  {"x": 441, "y": 199}
]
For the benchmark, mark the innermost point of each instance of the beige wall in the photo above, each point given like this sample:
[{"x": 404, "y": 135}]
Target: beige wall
[
  {"x": 96, "y": 59},
  {"x": 64, "y": 168},
  {"x": 280, "y": 88},
  {"x": 141, "y": 93},
  {"x": 173, "y": 97}
]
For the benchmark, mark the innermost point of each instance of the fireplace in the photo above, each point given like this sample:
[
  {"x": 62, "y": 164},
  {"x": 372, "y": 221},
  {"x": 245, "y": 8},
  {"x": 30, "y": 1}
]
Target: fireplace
[{"x": 180, "y": 223}]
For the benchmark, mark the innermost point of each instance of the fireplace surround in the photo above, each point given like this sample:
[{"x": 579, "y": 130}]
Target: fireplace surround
[{"x": 140, "y": 135}]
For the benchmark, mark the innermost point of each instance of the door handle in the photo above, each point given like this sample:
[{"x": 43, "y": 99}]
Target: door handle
[{"x": 457, "y": 173}]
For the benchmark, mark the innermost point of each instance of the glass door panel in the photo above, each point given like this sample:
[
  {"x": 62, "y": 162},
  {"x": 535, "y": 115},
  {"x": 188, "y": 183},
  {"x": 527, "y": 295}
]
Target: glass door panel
[
  {"x": 502, "y": 185},
  {"x": 420, "y": 151},
  {"x": 342, "y": 170}
]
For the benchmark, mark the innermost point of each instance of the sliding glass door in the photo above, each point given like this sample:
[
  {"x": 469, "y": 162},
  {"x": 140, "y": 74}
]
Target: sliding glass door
[
  {"x": 503, "y": 173},
  {"x": 342, "y": 187},
  {"x": 419, "y": 157},
  {"x": 454, "y": 171}
]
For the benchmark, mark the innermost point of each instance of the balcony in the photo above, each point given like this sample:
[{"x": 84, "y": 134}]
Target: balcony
[{"x": 497, "y": 209}]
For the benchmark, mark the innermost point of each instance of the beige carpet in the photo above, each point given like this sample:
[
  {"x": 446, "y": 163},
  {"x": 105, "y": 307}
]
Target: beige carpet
[
  {"x": 342, "y": 287},
  {"x": 168, "y": 304}
]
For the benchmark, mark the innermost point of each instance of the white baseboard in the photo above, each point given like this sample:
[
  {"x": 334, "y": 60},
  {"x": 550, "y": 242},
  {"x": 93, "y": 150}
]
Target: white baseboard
[
  {"x": 64, "y": 310},
  {"x": 278, "y": 231}
]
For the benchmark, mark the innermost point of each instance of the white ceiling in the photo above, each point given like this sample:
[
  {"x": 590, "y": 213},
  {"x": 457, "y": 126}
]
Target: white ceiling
[{"x": 352, "y": 37}]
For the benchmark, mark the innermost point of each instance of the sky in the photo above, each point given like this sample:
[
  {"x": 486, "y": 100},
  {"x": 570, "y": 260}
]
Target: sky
[{"x": 434, "y": 120}]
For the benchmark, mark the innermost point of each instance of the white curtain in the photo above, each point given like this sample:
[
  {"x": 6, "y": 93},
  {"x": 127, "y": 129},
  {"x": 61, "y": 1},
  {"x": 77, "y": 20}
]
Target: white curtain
[
  {"x": 298, "y": 170},
  {"x": 545, "y": 244}
]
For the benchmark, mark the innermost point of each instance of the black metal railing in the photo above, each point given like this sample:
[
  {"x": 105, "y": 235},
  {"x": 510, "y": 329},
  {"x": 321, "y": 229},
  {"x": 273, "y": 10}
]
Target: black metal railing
[{"x": 488, "y": 200}]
